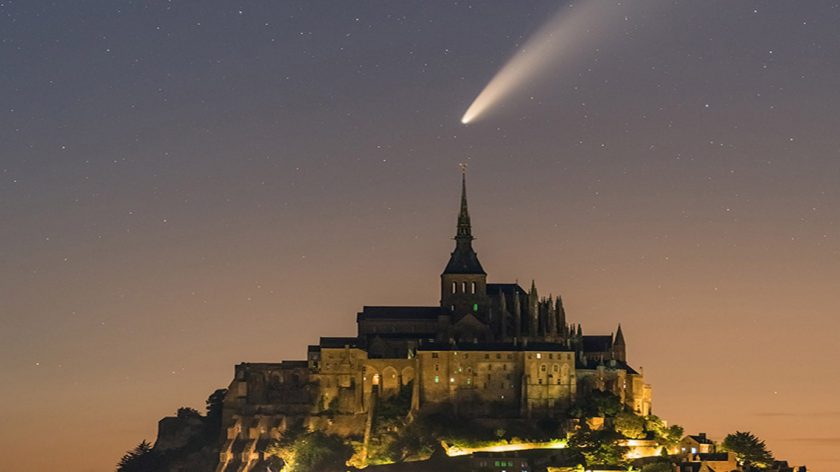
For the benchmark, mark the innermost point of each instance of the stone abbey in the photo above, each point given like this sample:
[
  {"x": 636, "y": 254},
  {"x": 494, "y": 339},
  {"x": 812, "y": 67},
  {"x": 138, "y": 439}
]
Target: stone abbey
[{"x": 486, "y": 349}]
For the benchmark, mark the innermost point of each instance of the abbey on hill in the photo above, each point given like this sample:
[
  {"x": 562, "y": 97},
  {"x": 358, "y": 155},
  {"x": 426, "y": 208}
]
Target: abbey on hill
[{"x": 486, "y": 348}]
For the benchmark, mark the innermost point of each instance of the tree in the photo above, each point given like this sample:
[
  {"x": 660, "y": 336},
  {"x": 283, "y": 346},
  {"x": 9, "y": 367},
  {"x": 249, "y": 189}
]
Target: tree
[
  {"x": 187, "y": 412},
  {"x": 597, "y": 403},
  {"x": 320, "y": 452},
  {"x": 214, "y": 409},
  {"x": 658, "y": 467},
  {"x": 665, "y": 435},
  {"x": 630, "y": 425},
  {"x": 748, "y": 449},
  {"x": 598, "y": 447},
  {"x": 140, "y": 459}
]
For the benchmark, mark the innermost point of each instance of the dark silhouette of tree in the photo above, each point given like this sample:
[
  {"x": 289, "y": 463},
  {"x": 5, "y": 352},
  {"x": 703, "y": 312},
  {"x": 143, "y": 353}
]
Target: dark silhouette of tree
[
  {"x": 214, "y": 410},
  {"x": 187, "y": 412},
  {"x": 140, "y": 459},
  {"x": 749, "y": 451},
  {"x": 321, "y": 452},
  {"x": 658, "y": 467},
  {"x": 597, "y": 403}
]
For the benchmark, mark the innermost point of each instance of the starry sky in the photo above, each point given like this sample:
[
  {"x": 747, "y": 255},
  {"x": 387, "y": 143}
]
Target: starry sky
[{"x": 188, "y": 185}]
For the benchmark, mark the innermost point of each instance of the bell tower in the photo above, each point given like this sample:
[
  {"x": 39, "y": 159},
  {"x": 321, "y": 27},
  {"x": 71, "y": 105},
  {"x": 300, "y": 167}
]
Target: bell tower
[{"x": 463, "y": 281}]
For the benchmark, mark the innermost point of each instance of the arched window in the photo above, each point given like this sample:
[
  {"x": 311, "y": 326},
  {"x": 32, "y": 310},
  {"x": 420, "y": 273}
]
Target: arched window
[
  {"x": 472, "y": 287},
  {"x": 454, "y": 287},
  {"x": 463, "y": 287}
]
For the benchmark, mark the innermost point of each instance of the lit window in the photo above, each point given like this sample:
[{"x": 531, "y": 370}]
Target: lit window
[
  {"x": 437, "y": 379},
  {"x": 454, "y": 287},
  {"x": 472, "y": 287},
  {"x": 463, "y": 287},
  {"x": 452, "y": 380},
  {"x": 475, "y": 307}
]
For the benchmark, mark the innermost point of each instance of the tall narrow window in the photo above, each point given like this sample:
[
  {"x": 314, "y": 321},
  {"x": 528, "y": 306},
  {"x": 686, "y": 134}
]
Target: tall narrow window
[
  {"x": 463, "y": 287},
  {"x": 472, "y": 288},
  {"x": 454, "y": 287}
]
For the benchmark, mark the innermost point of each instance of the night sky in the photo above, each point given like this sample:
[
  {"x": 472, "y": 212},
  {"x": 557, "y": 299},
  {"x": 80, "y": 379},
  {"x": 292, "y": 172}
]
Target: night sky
[{"x": 188, "y": 185}]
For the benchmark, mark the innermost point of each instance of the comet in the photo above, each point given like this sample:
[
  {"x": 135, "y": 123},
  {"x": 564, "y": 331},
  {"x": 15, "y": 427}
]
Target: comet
[{"x": 555, "y": 41}]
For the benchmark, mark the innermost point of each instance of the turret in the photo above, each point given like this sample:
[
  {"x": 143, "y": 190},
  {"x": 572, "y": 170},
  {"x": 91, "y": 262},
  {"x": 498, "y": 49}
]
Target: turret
[
  {"x": 504, "y": 316},
  {"x": 561, "y": 315},
  {"x": 533, "y": 311},
  {"x": 517, "y": 316},
  {"x": 552, "y": 318},
  {"x": 619, "y": 347}
]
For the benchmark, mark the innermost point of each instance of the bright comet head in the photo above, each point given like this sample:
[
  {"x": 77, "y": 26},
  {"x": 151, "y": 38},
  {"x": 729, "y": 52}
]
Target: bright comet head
[{"x": 550, "y": 44}]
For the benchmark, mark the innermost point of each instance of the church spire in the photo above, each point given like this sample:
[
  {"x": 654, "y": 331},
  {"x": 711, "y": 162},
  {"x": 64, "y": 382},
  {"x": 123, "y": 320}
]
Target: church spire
[
  {"x": 464, "y": 259},
  {"x": 464, "y": 227}
]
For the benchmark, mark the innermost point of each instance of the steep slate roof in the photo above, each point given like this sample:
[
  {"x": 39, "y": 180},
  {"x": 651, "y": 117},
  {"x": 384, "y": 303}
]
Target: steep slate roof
[
  {"x": 401, "y": 313},
  {"x": 597, "y": 343},
  {"x": 506, "y": 288},
  {"x": 592, "y": 364},
  {"x": 701, "y": 439},
  {"x": 463, "y": 261},
  {"x": 493, "y": 346}
]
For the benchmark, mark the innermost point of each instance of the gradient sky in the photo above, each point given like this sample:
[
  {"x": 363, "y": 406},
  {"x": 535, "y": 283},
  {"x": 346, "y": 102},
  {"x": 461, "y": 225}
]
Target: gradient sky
[{"x": 189, "y": 185}]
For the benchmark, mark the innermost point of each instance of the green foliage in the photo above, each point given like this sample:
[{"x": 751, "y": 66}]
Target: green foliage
[
  {"x": 665, "y": 435},
  {"x": 658, "y": 467},
  {"x": 320, "y": 452},
  {"x": 598, "y": 447},
  {"x": 140, "y": 459},
  {"x": 597, "y": 403},
  {"x": 630, "y": 425},
  {"x": 748, "y": 449},
  {"x": 284, "y": 448},
  {"x": 301, "y": 451}
]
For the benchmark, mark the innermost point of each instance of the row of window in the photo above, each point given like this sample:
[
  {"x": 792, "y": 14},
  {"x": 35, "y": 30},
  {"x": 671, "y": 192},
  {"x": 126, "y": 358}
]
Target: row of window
[
  {"x": 468, "y": 381},
  {"x": 464, "y": 286},
  {"x": 509, "y": 356}
]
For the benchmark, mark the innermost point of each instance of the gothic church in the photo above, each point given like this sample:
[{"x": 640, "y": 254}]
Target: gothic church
[{"x": 485, "y": 348}]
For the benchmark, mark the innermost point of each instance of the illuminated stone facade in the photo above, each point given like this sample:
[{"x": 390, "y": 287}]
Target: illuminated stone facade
[{"x": 487, "y": 349}]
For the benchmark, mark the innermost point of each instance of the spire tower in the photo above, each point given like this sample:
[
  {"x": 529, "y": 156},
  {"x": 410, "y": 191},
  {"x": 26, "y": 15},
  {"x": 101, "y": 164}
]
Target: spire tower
[{"x": 463, "y": 281}]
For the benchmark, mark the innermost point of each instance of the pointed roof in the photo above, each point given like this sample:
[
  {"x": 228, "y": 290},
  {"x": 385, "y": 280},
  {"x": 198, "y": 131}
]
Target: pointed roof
[
  {"x": 619, "y": 336},
  {"x": 464, "y": 260}
]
